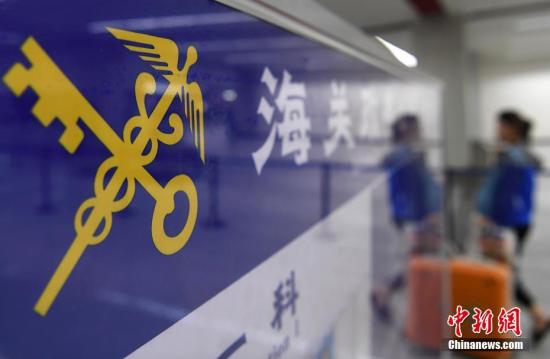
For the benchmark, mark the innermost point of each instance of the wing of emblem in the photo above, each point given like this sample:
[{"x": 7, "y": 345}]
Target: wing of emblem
[
  {"x": 163, "y": 54},
  {"x": 194, "y": 110}
]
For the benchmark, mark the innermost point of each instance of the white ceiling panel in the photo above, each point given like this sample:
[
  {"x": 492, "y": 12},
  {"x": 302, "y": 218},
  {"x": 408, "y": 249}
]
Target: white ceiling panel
[
  {"x": 370, "y": 13},
  {"x": 523, "y": 37},
  {"x": 466, "y": 7}
]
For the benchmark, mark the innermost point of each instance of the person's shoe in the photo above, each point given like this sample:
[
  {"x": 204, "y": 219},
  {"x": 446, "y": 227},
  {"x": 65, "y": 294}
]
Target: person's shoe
[
  {"x": 540, "y": 334},
  {"x": 380, "y": 306}
]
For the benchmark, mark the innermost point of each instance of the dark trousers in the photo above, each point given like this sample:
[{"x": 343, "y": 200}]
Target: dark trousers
[
  {"x": 521, "y": 233},
  {"x": 522, "y": 294}
]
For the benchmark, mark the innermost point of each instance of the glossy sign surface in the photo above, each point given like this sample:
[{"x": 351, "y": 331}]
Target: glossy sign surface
[{"x": 153, "y": 153}]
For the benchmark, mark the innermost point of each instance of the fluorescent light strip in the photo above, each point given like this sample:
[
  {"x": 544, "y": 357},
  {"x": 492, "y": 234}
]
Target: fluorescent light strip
[{"x": 401, "y": 55}]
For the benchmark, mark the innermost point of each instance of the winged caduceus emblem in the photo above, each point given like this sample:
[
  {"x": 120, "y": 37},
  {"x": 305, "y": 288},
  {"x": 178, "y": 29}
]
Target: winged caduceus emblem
[
  {"x": 163, "y": 55},
  {"x": 59, "y": 99}
]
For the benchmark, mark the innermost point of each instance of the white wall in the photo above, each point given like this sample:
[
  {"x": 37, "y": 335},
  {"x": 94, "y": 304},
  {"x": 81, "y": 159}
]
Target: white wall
[
  {"x": 521, "y": 86},
  {"x": 438, "y": 44}
]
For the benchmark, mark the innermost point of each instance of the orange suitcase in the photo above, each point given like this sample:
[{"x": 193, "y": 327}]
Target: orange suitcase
[
  {"x": 482, "y": 285},
  {"x": 424, "y": 325}
]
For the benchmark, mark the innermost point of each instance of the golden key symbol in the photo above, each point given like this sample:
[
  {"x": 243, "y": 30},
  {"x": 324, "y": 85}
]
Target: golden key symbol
[{"x": 59, "y": 98}]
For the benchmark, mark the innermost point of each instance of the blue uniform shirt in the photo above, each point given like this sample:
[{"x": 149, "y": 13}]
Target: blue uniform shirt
[
  {"x": 413, "y": 192},
  {"x": 506, "y": 196}
]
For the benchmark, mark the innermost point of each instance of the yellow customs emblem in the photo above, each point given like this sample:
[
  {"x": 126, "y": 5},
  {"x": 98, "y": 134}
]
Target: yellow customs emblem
[{"x": 59, "y": 99}]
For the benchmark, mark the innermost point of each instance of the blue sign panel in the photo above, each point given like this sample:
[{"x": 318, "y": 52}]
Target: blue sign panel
[{"x": 153, "y": 153}]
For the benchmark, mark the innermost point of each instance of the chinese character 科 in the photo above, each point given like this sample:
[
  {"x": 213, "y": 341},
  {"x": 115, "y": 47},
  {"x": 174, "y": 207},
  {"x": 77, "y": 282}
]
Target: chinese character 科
[
  {"x": 483, "y": 320},
  {"x": 509, "y": 320},
  {"x": 371, "y": 125},
  {"x": 457, "y": 320},
  {"x": 292, "y": 128},
  {"x": 339, "y": 122},
  {"x": 285, "y": 298}
]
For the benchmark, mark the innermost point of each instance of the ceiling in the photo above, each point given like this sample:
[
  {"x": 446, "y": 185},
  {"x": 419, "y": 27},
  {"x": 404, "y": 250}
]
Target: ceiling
[
  {"x": 495, "y": 30},
  {"x": 506, "y": 31},
  {"x": 371, "y": 13},
  {"x": 514, "y": 38},
  {"x": 376, "y": 13},
  {"x": 468, "y": 7}
]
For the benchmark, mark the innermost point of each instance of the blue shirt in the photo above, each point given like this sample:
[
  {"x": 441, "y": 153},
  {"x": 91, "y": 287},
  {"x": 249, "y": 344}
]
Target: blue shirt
[
  {"x": 413, "y": 192},
  {"x": 506, "y": 196}
]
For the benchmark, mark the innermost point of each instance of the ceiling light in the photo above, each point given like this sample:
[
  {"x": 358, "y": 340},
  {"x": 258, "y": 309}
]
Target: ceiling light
[{"x": 401, "y": 55}]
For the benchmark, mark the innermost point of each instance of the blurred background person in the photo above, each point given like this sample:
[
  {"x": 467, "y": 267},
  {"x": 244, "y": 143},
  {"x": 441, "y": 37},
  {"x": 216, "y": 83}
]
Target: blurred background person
[
  {"x": 535, "y": 166},
  {"x": 415, "y": 202},
  {"x": 506, "y": 201}
]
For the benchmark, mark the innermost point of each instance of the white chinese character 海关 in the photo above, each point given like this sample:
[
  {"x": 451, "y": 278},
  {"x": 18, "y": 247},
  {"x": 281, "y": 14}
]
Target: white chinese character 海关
[
  {"x": 293, "y": 127},
  {"x": 339, "y": 122}
]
